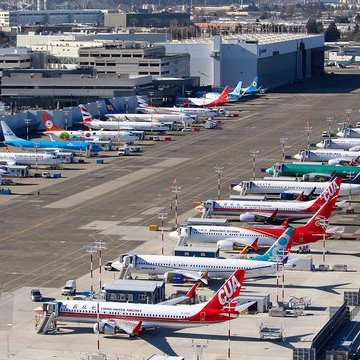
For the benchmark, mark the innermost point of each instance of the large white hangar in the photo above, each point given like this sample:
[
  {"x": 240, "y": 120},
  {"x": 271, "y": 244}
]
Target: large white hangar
[{"x": 277, "y": 59}]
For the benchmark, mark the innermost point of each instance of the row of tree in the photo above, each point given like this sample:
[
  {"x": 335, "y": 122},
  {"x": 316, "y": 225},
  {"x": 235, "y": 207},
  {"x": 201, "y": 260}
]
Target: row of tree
[{"x": 332, "y": 33}]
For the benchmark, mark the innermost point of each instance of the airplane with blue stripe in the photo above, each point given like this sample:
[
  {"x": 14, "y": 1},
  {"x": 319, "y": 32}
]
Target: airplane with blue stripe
[
  {"x": 12, "y": 140},
  {"x": 252, "y": 89}
]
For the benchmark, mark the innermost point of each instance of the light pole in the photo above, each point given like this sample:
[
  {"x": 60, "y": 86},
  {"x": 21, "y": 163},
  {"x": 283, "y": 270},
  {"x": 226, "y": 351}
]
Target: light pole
[
  {"x": 66, "y": 115},
  {"x": 151, "y": 94},
  {"x": 254, "y": 154},
  {"x": 218, "y": 169},
  {"x": 98, "y": 106},
  {"x": 329, "y": 119},
  {"x": 308, "y": 130},
  {"x": 27, "y": 123},
  {"x": 91, "y": 249},
  {"x": 176, "y": 189},
  {"x": 350, "y": 174},
  {"x": 100, "y": 245},
  {"x": 162, "y": 215},
  {"x": 283, "y": 142},
  {"x": 348, "y": 112}
]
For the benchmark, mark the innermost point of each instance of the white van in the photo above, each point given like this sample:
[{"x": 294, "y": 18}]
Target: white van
[{"x": 69, "y": 289}]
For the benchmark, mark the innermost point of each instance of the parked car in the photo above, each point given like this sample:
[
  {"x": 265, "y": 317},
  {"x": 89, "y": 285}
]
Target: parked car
[{"x": 69, "y": 289}]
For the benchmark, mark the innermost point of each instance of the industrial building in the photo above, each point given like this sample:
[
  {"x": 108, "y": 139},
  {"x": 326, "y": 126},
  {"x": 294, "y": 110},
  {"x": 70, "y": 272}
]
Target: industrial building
[
  {"x": 14, "y": 58},
  {"x": 53, "y": 88},
  {"x": 277, "y": 59},
  {"x": 51, "y": 17},
  {"x": 136, "y": 291},
  {"x": 134, "y": 58}
]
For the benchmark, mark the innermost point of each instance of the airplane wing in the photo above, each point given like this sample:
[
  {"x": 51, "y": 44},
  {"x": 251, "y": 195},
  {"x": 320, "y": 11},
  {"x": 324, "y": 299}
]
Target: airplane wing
[
  {"x": 130, "y": 327},
  {"x": 7, "y": 162},
  {"x": 188, "y": 295}
]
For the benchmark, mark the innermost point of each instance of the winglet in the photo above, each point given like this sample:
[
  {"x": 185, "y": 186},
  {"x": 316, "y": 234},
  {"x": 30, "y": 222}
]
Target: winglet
[
  {"x": 285, "y": 223},
  {"x": 254, "y": 245},
  {"x": 192, "y": 290},
  {"x": 300, "y": 197},
  {"x": 137, "y": 329}
]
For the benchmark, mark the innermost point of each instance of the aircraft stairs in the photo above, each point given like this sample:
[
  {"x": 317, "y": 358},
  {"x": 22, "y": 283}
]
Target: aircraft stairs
[
  {"x": 125, "y": 271},
  {"x": 46, "y": 323}
]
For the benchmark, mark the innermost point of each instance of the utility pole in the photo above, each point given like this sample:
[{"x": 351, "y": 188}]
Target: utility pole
[
  {"x": 91, "y": 249},
  {"x": 329, "y": 119},
  {"x": 254, "y": 154},
  {"x": 218, "y": 169},
  {"x": 350, "y": 174},
  {"x": 100, "y": 245},
  {"x": 27, "y": 123},
  {"x": 162, "y": 215},
  {"x": 308, "y": 130},
  {"x": 283, "y": 141},
  {"x": 348, "y": 112},
  {"x": 176, "y": 189}
]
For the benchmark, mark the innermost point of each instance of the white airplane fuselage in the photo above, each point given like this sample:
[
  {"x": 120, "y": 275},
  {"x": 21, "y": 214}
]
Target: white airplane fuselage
[
  {"x": 127, "y": 125},
  {"x": 342, "y": 143},
  {"x": 216, "y": 268},
  {"x": 167, "y": 119},
  {"x": 349, "y": 133},
  {"x": 29, "y": 158},
  {"x": 214, "y": 234},
  {"x": 326, "y": 155},
  {"x": 278, "y": 187}
]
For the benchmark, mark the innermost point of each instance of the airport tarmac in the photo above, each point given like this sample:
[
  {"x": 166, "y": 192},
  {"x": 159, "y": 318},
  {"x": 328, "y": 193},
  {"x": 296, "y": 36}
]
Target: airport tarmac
[{"x": 43, "y": 236}]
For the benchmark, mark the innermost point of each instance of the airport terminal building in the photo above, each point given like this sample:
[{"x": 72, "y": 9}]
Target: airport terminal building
[{"x": 277, "y": 59}]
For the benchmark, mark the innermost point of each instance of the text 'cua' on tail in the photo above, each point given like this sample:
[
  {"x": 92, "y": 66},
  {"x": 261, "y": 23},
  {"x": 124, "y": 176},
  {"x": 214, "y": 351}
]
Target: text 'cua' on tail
[{"x": 229, "y": 291}]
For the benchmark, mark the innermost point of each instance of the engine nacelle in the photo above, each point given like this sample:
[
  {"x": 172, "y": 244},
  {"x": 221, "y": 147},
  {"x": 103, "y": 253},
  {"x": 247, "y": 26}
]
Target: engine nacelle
[
  {"x": 316, "y": 177},
  {"x": 355, "y": 148},
  {"x": 225, "y": 245},
  {"x": 174, "y": 278},
  {"x": 104, "y": 327},
  {"x": 248, "y": 217}
]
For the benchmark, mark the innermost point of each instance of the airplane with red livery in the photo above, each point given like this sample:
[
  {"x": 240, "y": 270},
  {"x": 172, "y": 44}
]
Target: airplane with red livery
[
  {"x": 222, "y": 99},
  {"x": 131, "y": 318}
]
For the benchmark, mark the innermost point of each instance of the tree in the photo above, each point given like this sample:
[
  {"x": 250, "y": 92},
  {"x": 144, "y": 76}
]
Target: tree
[
  {"x": 332, "y": 33},
  {"x": 314, "y": 27}
]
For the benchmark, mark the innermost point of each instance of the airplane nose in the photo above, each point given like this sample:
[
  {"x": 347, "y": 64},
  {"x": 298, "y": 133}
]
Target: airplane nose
[
  {"x": 200, "y": 208},
  {"x": 237, "y": 188},
  {"x": 297, "y": 156},
  {"x": 269, "y": 171},
  {"x": 340, "y": 134},
  {"x": 320, "y": 145},
  {"x": 174, "y": 235}
]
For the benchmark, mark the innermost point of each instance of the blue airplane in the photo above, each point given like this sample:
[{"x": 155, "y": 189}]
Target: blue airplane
[
  {"x": 12, "y": 140},
  {"x": 252, "y": 89}
]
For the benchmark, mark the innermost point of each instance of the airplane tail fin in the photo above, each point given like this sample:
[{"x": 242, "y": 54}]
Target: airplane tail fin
[
  {"x": 229, "y": 291},
  {"x": 86, "y": 116},
  {"x": 110, "y": 108},
  {"x": 324, "y": 212},
  {"x": 356, "y": 179},
  {"x": 225, "y": 93},
  {"x": 331, "y": 191},
  {"x": 142, "y": 103},
  {"x": 7, "y": 132},
  {"x": 300, "y": 197},
  {"x": 237, "y": 90},
  {"x": 279, "y": 249},
  {"x": 49, "y": 124},
  {"x": 254, "y": 84}
]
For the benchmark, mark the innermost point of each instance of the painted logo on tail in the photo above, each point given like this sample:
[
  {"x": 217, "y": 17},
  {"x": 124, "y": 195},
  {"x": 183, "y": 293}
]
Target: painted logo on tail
[
  {"x": 330, "y": 191},
  {"x": 225, "y": 294}
]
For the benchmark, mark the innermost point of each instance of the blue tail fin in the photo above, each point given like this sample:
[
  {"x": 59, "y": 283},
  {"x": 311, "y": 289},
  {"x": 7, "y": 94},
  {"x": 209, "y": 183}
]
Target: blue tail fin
[
  {"x": 237, "y": 90},
  {"x": 278, "y": 250},
  {"x": 110, "y": 108},
  {"x": 254, "y": 85},
  {"x": 8, "y": 133},
  {"x": 356, "y": 179}
]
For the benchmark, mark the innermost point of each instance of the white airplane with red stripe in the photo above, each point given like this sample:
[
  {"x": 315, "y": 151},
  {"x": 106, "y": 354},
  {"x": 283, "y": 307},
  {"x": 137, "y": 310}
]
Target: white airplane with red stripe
[
  {"x": 269, "y": 210},
  {"x": 116, "y": 317}
]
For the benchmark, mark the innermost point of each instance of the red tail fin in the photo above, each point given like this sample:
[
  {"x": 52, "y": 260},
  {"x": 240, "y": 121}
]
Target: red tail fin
[
  {"x": 225, "y": 93},
  {"x": 324, "y": 212},
  {"x": 86, "y": 116},
  {"x": 331, "y": 191},
  {"x": 230, "y": 290},
  {"x": 49, "y": 125},
  {"x": 300, "y": 197}
]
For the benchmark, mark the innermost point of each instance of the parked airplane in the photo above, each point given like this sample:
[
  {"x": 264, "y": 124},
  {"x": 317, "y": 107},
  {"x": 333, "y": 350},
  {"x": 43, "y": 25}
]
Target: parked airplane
[
  {"x": 193, "y": 267},
  {"x": 342, "y": 143},
  {"x": 268, "y": 211},
  {"x": 167, "y": 119},
  {"x": 294, "y": 187},
  {"x": 233, "y": 96},
  {"x": 12, "y": 140},
  {"x": 299, "y": 169},
  {"x": 28, "y": 159},
  {"x": 132, "y": 318},
  {"x": 333, "y": 156},
  {"x": 229, "y": 237},
  {"x": 120, "y": 125},
  {"x": 349, "y": 133},
  {"x": 341, "y": 64},
  {"x": 222, "y": 99},
  {"x": 144, "y": 107},
  {"x": 120, "y": 136},
  {"x": 252, "y": 89}
]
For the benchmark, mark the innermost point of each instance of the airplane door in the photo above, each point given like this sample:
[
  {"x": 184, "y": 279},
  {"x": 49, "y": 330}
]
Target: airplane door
[
  {"x": 203, "y": 316},
  {"x": 327, "y": 143}
]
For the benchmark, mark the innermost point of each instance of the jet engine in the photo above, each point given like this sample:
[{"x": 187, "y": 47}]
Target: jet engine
[
  {"x": 174, "y": 278},
  {"x": 225, "y": 245},
  {"x": 105, "y": 327},
  {"x": 248, "y": 217}
]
